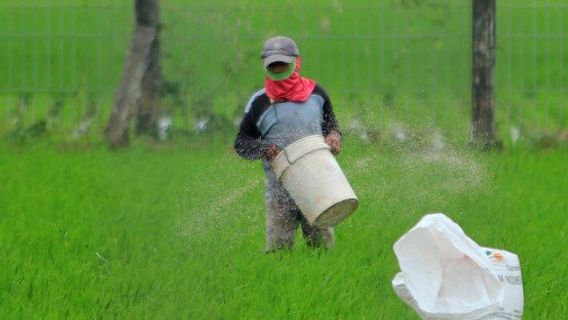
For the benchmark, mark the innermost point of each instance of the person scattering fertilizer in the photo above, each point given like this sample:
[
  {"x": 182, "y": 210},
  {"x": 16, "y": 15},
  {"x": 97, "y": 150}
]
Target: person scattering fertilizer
[{"x": 288, "y": 108}]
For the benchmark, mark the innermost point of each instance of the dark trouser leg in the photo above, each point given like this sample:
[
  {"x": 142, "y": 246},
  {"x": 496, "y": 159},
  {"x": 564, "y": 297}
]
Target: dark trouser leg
[
  {"x": 318, "y": 237},
  {"x": 281, "y": 220}
]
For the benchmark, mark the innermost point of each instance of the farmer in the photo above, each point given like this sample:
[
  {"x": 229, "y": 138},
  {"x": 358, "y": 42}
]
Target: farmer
[{"x": 288, "y": 108}]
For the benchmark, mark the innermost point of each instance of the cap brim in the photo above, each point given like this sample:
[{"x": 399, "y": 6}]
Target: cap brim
[{"x": 277, "y": 58}]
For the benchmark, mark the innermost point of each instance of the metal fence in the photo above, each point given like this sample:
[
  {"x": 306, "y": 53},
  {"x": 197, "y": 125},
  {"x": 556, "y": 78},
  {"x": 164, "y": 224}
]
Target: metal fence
[
  {"x": 531, "y": 82},
  {"x": 387, "y": 58}
]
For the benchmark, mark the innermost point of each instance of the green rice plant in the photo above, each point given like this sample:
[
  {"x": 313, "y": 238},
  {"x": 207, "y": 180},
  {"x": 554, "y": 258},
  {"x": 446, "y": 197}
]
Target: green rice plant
[{"x": 177, "y": 231}]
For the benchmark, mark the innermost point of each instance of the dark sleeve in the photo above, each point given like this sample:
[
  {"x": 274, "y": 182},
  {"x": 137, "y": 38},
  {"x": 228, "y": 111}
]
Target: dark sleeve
[
  {"x": 329, "y": 122},
  {"x": 249, "y": 144}
]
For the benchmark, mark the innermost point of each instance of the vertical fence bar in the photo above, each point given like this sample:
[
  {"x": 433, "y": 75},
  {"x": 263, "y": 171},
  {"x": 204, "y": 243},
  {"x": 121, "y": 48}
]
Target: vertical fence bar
[
  {"x": 61, "y": 53},
  {"x": 548, "y": 73},
  {"x": 37, "y": 35},
  {"x": 509, "y": 49},
  {"x": 370, "y": 36},
  {"x": 381, "y": 42},
  {"x": 100, "y": 66},
  {"x": 48, "y": 53},
  {"x": 22, "y": 67},
  {"x": 534, "y": 61},
  {"x": 357, "y": 42},
  {"x": 509, "y": 61},
  {"x": 344, "y": 56},
  {"x": 548, "y": 39},
  {"x": 11, "y": 37},
  {"x": 74, "y": 38},
  {"x": 563, "y": 11},
  {"x": 561, "y": 87}
]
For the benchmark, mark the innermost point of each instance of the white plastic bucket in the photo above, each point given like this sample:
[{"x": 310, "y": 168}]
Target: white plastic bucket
[{"x": 314, "y": 180}]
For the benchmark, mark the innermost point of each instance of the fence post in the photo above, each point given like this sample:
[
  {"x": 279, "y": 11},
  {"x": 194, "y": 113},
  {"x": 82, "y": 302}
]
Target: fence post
[{"x": 483, "y": 55}]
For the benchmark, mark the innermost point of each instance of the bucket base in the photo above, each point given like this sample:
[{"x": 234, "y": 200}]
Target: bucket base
[{"x": 336, "y": 213}]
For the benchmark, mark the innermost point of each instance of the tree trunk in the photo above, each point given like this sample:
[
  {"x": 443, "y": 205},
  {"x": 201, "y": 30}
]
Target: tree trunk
[
  {"x": 483, "y": 54},
  {"x": 148, "y": 14},
  {"x": 141, "y": 76}
]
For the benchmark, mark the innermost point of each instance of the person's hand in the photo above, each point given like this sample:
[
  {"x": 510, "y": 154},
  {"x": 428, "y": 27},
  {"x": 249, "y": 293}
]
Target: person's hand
[
  {"x": 271, "y": 152},
  {"x": 333, "y": 140}
]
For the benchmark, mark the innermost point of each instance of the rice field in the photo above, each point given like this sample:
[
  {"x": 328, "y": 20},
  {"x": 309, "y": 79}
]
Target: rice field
[{"x": 178, "y": 231}]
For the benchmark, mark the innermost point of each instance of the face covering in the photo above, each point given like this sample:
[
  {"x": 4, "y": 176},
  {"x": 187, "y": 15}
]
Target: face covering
[{"x": 289, "y": 86}]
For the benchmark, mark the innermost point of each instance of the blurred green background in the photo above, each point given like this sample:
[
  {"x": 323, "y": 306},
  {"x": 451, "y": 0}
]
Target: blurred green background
[{"x": 406, "y": 61}]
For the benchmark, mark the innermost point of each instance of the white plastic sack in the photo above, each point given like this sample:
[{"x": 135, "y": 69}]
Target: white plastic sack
[{"x": 446, "y": 275}]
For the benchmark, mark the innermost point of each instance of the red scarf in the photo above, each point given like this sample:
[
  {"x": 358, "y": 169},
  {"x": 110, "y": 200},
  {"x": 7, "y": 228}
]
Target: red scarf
[{"x": 293, "y": 88}]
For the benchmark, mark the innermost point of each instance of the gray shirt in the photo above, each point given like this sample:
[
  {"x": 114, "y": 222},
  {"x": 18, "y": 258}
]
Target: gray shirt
[{"x": 282, "y": 123}]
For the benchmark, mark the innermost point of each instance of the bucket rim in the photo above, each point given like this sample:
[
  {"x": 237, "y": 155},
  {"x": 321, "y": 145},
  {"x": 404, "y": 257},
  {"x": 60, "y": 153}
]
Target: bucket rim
[
  {"x": 354, "y": 200},
  {"x": 287, "y": 156}
]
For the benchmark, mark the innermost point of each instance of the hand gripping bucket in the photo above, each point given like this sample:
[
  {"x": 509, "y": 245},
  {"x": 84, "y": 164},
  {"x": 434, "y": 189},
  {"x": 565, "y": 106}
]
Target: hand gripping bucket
[{"x": 314, "y": 180}]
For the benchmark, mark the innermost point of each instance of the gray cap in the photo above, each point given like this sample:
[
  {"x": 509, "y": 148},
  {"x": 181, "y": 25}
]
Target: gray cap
[{"x": 279, "y": 49}]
